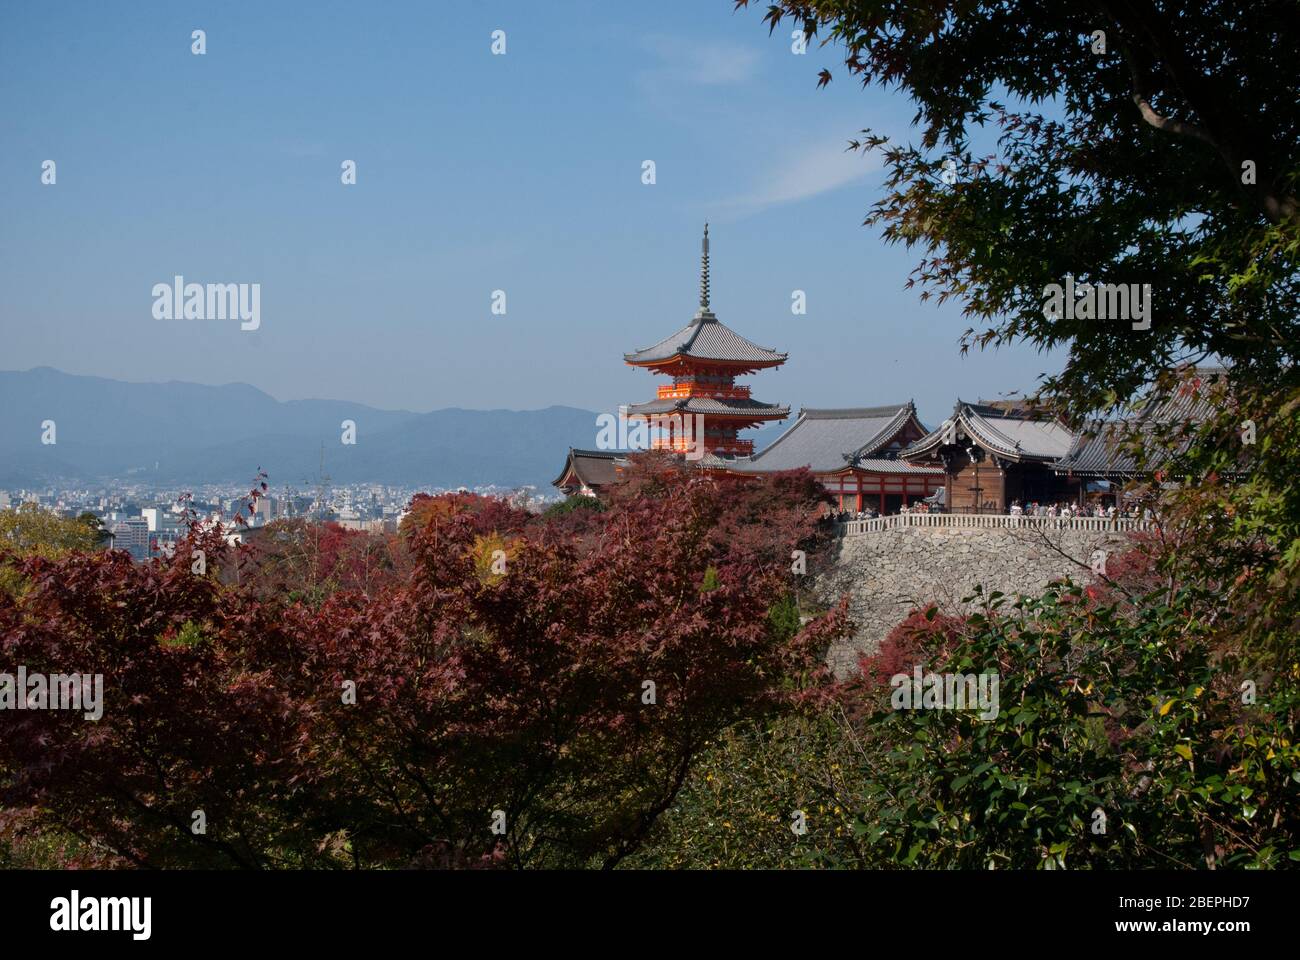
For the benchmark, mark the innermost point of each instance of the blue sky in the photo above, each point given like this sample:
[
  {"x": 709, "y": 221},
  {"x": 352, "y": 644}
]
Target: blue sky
[{"x": 475, "y": 172}]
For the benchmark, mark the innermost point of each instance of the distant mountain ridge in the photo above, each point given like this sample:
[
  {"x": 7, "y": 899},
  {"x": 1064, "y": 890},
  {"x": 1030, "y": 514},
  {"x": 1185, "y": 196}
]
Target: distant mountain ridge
[
  {"x": 180, "y": 432},
  {"x": 189, "y": 433}
]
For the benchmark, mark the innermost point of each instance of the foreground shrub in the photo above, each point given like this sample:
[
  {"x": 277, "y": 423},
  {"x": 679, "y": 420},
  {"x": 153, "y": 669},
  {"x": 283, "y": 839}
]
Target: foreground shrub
[
  {"x": 1120, "y": 741},
  {"x": 544, "y": 714}
]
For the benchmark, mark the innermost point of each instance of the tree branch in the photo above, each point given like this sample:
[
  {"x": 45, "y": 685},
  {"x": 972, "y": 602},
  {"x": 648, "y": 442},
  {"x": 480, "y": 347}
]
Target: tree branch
[
  {"x": 1167, "y": 125},
  {"x": 1138, "y": 21}
]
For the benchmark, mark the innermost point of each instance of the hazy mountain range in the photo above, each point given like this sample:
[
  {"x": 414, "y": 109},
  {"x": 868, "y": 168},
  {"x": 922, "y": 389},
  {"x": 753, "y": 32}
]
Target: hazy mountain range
[{"x": 189, "y": 433}]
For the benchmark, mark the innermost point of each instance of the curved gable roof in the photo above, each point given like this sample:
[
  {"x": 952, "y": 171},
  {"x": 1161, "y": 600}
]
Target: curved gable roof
[
  {"x": 593, "y": 468},
  {"x": 827, "y": 441},
  {"x": 1005, "y": 429}
]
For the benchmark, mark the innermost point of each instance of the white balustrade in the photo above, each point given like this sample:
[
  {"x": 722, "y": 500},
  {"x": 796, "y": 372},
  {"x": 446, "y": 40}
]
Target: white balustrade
[{"x": 993, "y": 520}]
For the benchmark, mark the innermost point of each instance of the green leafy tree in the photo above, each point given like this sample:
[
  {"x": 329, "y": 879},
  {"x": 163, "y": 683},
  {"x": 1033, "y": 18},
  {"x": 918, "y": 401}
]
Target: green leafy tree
[
  {"x": 1169, "y": 159},
  {"x": 29, "y": 530},
  {"x": 569, "y": 504},
  {"x": 102, "y": 536},
  {"x": 1122, "y": 738},
  {"x": 1147, "y": 142}
]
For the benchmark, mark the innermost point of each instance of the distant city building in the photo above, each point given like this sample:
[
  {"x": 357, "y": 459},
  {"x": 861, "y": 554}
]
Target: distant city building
[
  {"x": 163, "y": 544},
  {"x": 370, "y": 526},
  {"x": 263, "y": 512},
  {"x": 132, "y": 535},
  {"x": 160, "y": 519}
]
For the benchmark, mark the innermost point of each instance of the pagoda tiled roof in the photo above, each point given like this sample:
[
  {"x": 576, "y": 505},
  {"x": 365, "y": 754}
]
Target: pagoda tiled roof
[
  {"x": 711, "y": 406},
  {"x": 706, "y": 338}
]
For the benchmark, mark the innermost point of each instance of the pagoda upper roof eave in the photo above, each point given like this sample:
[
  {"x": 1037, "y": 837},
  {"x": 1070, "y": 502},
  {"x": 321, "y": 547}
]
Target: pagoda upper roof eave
[
  {"x": 706, "y": 339},
  {"x": 686, "y": 360},
  {"x": 739, "y": 419}
]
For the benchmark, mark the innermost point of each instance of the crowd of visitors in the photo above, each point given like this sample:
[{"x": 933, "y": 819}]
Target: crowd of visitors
[
  {"x": 870, "y": 513},
  {"x": 1096, "y": 509}
]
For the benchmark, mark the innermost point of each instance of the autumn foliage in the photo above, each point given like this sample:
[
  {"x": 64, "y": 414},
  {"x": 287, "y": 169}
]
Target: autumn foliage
[{"x": 385, "y": 721}]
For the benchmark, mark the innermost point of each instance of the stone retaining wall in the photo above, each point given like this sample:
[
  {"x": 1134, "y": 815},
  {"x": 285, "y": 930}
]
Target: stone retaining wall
[{"x": 888, "y": 573}]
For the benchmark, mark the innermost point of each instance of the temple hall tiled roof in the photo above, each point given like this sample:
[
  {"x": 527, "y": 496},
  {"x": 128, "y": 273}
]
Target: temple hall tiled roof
[
  {"x": 827, "y": 441},
  {"x": 1006, "y": 429},
  {"x": 1100, "y": 450},
  {"x": 593, "y": 468}
]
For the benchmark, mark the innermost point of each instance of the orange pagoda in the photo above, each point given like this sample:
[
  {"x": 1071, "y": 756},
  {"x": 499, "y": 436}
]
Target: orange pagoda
[{"x": 704, "y": 358}]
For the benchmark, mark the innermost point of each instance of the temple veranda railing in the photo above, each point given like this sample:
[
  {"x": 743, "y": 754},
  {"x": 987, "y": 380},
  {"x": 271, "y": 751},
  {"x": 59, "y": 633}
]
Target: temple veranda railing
[{"x": 993, "y": 520}]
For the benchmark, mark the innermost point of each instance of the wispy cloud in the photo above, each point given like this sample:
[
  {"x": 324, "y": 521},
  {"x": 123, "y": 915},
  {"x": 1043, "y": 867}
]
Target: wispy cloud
[
  {"x": 686, "y": 61},
  {"x": 819, "y": 168}
]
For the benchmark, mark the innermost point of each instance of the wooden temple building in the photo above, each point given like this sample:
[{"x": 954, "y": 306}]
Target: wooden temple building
[
  {"x": 854, "y": 454},
  {"x": 994, "y": 453},
  {"x": 587, "y": 472}
]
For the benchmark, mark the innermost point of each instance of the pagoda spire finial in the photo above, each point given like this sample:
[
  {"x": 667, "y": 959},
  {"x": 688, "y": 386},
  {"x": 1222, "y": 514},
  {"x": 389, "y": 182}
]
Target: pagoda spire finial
[{"x": 704, "y": 273}]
